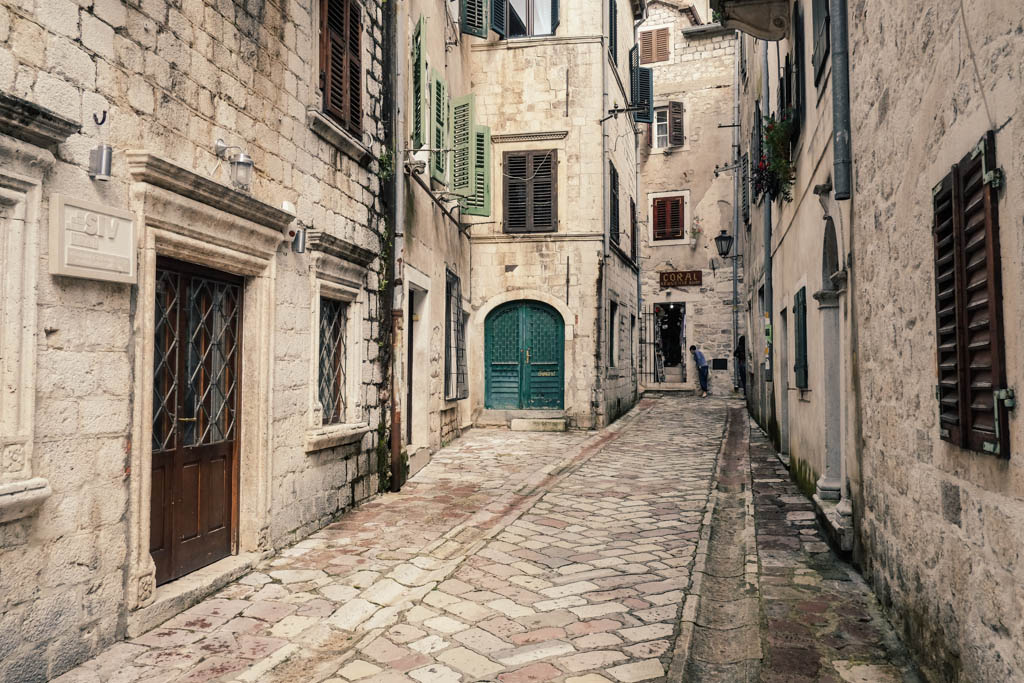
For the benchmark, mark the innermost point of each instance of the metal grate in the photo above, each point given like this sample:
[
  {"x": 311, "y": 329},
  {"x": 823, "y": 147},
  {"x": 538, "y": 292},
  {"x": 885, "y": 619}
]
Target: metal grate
[
  {"x": 165, "y": 360},
  {"x": 333, "y": 318},
  {"x": 211, "y": 361}
]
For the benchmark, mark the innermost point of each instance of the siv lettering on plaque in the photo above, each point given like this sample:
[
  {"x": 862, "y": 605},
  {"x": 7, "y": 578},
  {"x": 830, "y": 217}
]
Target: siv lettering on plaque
[{"x": 91, "y": 241}]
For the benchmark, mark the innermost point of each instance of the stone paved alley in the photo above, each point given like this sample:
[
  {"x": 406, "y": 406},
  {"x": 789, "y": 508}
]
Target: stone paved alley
[{"x": 549, "y": 557}]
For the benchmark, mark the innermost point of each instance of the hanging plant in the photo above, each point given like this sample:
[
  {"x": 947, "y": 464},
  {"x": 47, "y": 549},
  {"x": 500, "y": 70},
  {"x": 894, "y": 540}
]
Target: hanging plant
[{"x": 774, "y": 172}]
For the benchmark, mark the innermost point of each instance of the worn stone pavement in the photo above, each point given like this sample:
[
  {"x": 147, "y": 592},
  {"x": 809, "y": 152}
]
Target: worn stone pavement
[{"x": 513, "y": 557}]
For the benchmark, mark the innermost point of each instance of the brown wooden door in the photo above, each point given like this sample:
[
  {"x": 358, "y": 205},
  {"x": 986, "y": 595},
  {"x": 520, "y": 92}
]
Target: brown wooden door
[{"x": 196, "y": 403}]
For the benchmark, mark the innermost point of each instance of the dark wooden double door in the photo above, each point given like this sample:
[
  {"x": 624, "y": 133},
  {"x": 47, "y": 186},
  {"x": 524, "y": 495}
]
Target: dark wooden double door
[{"x": 196, "y": 404}]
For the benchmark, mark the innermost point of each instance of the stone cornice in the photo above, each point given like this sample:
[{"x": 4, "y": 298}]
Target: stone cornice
[
  {"x": 529, "y": 137},
  {"x": 34, "y": 124},
  {"x": 330, "y": 245},
  {"x": 149, "y": 168}
]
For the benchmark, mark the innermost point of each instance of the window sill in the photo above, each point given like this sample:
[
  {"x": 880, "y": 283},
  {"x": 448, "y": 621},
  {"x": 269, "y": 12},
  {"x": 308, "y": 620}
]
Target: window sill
[
  {"x": 22, "y": 498},
  {"x": 335, "y": 435},
  {"x": 670, "y": 243},
  {"x": 337, "y": 136}
]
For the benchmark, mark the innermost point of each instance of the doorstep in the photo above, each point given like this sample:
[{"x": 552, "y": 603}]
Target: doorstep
[
  {"x": 175, "y": 597},
  {"x": 837, "y": 519},
  {"x": 526, "y": 424},
  {"x": 419, "y": 457}
]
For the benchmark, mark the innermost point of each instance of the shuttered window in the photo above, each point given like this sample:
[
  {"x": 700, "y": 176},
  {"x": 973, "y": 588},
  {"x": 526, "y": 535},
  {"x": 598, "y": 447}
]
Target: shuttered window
[
  {"x": 455, "y": 386},
  {"x": 745, "y": 189},
  {"x": 439, "y": 128},
  {"x": 499, "y": 17},
  {"x": 479, "y": 203},
  {"x": 613, "y": 30},
  {"x": 800, "y": 342},
  {"x": 668, "y": 219},
  {"x": 474, "y": 17},
  {"x": 795, "y": 87},
  {"x": 341, "y": 72},
  {"x": 655, "y": 46},
  {"x": 968, "y": 301},
  {"x": 531, "y": 196},
  {"x": 820, "y": 17},
  {"x": 463, "y": 144},
  {"x": 676, "y": 132},
  {"x": 641, "y": 88},
  {"x": 613, "y": 203},
  {"x": 633, "y": 241},
  {"x": 419, "y": 87}
]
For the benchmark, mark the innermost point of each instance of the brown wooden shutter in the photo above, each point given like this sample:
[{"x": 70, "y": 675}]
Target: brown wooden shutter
[
  {"x": 341, "y": 62},
  {"x": 946, "y": 295},
  {"x": 530, "y": 191},
  {"x": 646, "y": 47},
  {"x": 983, "y": 356},
  {"x": 661, "y": 45},
  {"x": 668, "y": 219},
  {"x": 660, "y": 219},
  {"x": 676, "y": 135},
  {"x": 676, "y": 218},
  {"x": 354, "y": 67}
]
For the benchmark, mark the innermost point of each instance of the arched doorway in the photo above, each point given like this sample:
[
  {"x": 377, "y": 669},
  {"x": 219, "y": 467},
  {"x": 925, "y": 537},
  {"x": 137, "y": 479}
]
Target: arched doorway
[
  {"x": 524, "y": 345},
  {"x": 829, "y": 485}
]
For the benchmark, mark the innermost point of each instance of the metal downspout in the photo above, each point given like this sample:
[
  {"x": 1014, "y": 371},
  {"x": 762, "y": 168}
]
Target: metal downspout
[
  {"x": 393, "y": 85},
  {"x": 735, "y": 208},
  {"x": 599, "y": 355},
  {"x": 841, "y": 156}
]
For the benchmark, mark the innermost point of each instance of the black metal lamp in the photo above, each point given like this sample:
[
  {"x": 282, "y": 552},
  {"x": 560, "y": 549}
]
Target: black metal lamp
[{"x": 724, "y": 244}]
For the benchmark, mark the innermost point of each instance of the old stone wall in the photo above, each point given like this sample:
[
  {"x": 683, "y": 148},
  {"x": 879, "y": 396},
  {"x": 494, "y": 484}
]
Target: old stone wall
[
  {"x": 940, "y": 528},
  {"x": 172, "y": 77},
  {"x": 699, "y": 74}
]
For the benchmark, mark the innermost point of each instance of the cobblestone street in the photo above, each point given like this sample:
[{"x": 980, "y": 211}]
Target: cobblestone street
[{"x": 545, "y": 557}]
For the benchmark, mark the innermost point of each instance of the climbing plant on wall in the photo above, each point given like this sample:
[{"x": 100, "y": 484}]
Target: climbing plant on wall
[{"x": 773, "y": 174}]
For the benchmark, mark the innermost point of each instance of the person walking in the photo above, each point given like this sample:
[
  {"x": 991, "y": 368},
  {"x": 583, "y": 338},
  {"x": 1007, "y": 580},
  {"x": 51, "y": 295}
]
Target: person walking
[{"x": 702, "y": 369}]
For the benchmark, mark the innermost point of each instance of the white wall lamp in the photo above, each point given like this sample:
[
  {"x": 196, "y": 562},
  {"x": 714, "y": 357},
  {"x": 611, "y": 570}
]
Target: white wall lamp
[
  {"x": 241, "y": 163},
  {"x": 100, "y": 157}
]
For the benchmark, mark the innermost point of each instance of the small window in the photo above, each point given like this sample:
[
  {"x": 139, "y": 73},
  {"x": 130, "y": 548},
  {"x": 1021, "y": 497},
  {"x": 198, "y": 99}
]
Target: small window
[
  {"x": 531, "y": 17},
  {"x": 333, "y": 326},
  {"x": 613, "y": 30},
  {"x": 613, "y": 333},
  {"x": 668, "y": 218},
  {"x": 820, "y": 17},
  {"x": 800, "y": 341},
  {"x": 341, "y": 69},
  {"x": 661, "y": 128},
  {"x": 531, "y": 191},
  {"x": 455, "y": 386},
  {"x": 655, "y": 46}
]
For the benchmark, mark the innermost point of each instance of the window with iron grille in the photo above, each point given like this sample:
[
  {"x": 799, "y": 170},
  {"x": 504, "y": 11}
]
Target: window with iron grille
[
  {"x": 972, "y": 392},
  {"x": 455, "y": 386},
  {"x": 531, "y": 191},
  {"x": 613, "y": 333},
  {"x": 613, "y": 218},
  {"x": 341, "y": 68},
  {"x": 331, "y": 384}
]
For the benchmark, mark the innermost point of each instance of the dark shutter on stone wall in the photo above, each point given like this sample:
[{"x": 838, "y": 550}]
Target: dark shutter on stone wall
[
  {"x": 530, "y": 191},
  {"x": 555, "y": 16},
  {"x": 499, "y": 17},
  {"x": 668, "y": 219},
  {"x": 797, "y": 87},
  {"x": 745, "y": 189},
  {"x": 613, "y": 203},
  {"x": 820, "y": 17},
  {"x": 474, "y": 17},
  {"x": 419, "y": 99},
  {"x": 676, "y": 135},
  {"x": 800, "y": 320},
  {"x": 641, "y": 88},
  {"x": 634, "y": 248},
  {"x": 973, "y": 412},
  {"x": 613, "y": 30},
  {"x": 341, "y": 62}
]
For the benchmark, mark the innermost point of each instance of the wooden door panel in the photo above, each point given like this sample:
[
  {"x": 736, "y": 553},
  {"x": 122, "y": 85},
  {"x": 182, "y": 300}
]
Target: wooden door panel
[
  {"x": 545, "y": 340},
  {"x": 504, "y": 352},
  {"x": 187, "y": 517}
]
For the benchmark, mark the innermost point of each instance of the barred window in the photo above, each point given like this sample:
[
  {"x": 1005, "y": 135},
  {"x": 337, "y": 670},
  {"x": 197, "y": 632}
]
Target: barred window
[
  {"x": 455, "y": 386},
  {"x": 333, "y": 323}
]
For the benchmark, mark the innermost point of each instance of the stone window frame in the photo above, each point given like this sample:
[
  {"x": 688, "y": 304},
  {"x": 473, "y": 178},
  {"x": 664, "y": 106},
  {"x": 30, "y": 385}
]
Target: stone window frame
[
  {"x": 687, "y": 218},
  {"x": 21, "y": 493},
  {"x": 318, "y": 121}
]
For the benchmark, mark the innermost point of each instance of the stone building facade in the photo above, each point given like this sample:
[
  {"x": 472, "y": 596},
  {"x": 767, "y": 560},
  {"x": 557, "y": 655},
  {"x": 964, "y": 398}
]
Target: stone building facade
[
  {"x": 904, "y": 434},
  {"x": 164, "y": 329},
  {"x": 684, "y": 204}
]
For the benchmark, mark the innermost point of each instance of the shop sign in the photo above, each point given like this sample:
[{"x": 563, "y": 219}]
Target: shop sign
[
  {"x": 680, "y": 278},
  {"x": 91, "y": 241}
]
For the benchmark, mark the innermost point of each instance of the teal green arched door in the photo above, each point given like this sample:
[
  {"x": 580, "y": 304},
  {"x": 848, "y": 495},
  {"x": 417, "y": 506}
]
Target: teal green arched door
[{"x": 525, "y": 356}]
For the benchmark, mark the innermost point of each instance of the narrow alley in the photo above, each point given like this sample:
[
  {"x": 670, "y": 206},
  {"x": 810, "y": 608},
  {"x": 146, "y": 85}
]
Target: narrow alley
[{"x": 576, "y": 557}]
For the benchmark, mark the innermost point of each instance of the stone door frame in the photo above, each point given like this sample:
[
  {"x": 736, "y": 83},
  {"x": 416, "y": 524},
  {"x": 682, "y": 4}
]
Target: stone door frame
[{"x": 191, "y": 218}]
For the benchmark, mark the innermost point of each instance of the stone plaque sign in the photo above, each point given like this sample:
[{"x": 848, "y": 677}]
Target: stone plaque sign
[
  {"x": 91, "y": 241},
  {"x": 680, "y": 278}
]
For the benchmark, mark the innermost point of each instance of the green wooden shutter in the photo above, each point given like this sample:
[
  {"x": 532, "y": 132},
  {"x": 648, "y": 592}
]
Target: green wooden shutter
[
  {"x": 419, "y": 103},
  {"x": 474, "y": 17},
  {"x": 499, "y": 17},
  {"x": 800, "y": 318},
  {"x": 634, "y": 247},
  {"x": 676, "y": 133},
  {"x": 613, "y": 204},
  {"x": 439, "y": 126},
  {"x": 463, "y": 144},
  {"x": 797, "y": 87},
  {"x": 479, "y": 203},
  {"x": 641, "y": 88},
  {"x": 555, "y": 18},
  {"x": 819, "y": 11},
  {"x": 613, "y": 30}
]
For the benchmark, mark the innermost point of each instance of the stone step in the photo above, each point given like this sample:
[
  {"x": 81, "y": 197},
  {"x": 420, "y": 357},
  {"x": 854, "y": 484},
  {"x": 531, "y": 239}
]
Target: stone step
[{"x": 525, "y": 424}]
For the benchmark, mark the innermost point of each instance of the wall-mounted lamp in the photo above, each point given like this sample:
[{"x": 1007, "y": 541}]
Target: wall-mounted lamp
[
  {"x": 100, "y": 156},
  {"x": 298, "y": 236},
  {"x": 724, "y": 243},
  {"x": 241, "y": 163}
]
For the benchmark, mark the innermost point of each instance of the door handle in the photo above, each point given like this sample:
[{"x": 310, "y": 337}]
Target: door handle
[
  {"x": 186, "y": 419},
  {"x": 527, "y": 356}
]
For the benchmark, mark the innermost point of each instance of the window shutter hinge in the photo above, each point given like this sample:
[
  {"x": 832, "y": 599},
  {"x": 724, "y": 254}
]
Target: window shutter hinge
[
  {"x": 938, "y": 393},
  {"x": 993, "y": 178},
  {"x": 1007, "y": 397},
  {"x": 323, "y": 79}
]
